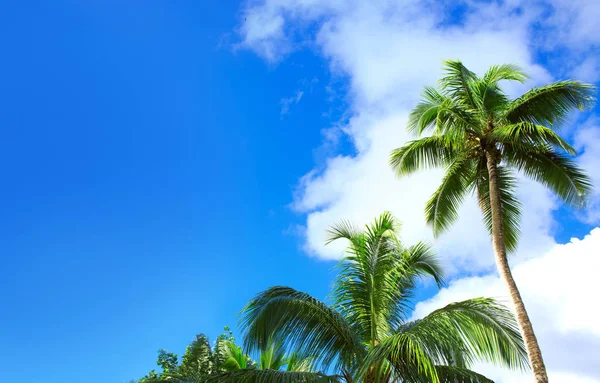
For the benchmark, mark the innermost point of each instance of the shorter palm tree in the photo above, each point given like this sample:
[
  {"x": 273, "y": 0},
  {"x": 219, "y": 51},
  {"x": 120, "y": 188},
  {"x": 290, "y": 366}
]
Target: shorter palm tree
[
  {"x": 274, "y": 364},
  {"x": 365, "y": 334}
]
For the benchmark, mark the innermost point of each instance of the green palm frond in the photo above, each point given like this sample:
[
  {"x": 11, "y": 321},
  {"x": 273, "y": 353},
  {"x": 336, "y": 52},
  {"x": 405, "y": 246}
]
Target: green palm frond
[
  {"x": 342, "y": 230},
  {"x": 419, "y": 260},
  {"x": 273, "y": 356},
  {"x": 303, "y": 322},
  {"x": 407, "y": 356},
  {"x": 415, "y": 262},
  {"x": 509, "y": 72},
  {"x": 424, "y": 115},
  {"x": 235, "y": 358},
  {"x": 550, "y": 104},
  {"x": 554, "y": 170},
  {"x": 529, "y": 135},
  {"x": 511, "y": 207},
  {"x": 272, "y": 376},
  {"x": 478, "y": 328},
  {"x": 457, "y": 81},
  {"x": 441, "y": 210},
  {"x": 427, "y": 152},
  {"x": 365, "y": 286},
  {"x": 299, "y": 363},
  {"x": 452, "y": 374},
  {"x": 455, "y": 335}
]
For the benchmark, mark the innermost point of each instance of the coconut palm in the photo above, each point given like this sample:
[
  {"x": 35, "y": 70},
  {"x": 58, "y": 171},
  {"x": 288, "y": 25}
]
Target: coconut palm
[
  {"x": 365, "y": 334},
  {"x": 274, "y": 365},
  {"x": 482, "y": 137}
]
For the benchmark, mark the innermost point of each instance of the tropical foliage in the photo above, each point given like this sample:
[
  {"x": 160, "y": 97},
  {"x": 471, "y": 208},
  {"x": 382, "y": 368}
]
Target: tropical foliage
[
  {"x": 225, "y": 362},
  {"x": 482, "y": 137},
  {"x": 366, "y": 334}
]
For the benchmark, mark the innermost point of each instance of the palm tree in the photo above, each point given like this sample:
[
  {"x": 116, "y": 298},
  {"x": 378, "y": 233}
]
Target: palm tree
[
  {"x": 481, "y": 137},
  {"x": 364, "y": 335},
  {"x": 274, "y": 364}
]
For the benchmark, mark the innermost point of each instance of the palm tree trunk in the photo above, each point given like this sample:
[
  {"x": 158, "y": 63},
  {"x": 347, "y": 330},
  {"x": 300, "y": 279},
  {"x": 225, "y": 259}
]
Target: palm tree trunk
[{"x": 531, "y": 343}]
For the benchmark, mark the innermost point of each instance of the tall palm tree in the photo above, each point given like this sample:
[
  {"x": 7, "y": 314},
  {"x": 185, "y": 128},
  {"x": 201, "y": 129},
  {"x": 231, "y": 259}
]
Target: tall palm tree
[
  {"x": 481, "y": 137},
  {"x": 365, "y": 334}
]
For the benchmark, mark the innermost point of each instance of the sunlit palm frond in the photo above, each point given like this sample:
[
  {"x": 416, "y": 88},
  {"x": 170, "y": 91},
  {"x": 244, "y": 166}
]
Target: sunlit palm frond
[
  {"x": 426, "y": 152},
  {"x": 526, "y": 135},
  {"x": 456, "y": 335},
  {"x": 272, "y": 376},
  {"x": 550, "y": 104},
  {"x": 414, "y": 263},
  {"x": 365, "y": 284},
  {"x": 441, "y": 210},
  {"x": 342, "y": 230},
  {"x": 451, "y": 374},
  {"x": 424, "y": 115},
  {"x": 456, "y": 82},
  {"x": 556, "y": 171},
  {"x": 509, "y": 72},
  {"x": 303, "y": 322}
]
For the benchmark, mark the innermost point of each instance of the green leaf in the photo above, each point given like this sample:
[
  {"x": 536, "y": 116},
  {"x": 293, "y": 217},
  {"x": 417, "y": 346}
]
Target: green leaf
[
  {"x": 451, "y": 374},
  {"x": 272, "y": 376},
  {"x": 550, "y": 104},
  {"x": 427, "y": 152},
  {"x": 523, "y": 135},
  {"x": 457, "y": 81},
  {"x": 441, "y": 210},
  {"x": 553, "y": 170},
  {"x": 303, "y": 322}
]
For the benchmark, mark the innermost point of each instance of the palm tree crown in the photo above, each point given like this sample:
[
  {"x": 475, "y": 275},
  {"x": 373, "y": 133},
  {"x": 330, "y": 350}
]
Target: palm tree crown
[
  {"x": 365, "y": 333},
  {"x": 471, "y": 118}
]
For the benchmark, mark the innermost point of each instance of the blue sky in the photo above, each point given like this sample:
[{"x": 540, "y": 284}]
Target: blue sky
[
  {"x": 165, "y": 161},
  {"x": 146, "y": 174}
]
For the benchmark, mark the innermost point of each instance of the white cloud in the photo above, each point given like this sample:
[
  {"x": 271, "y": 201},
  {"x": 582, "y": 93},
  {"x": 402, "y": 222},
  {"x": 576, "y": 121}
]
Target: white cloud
[
  {"x": 559, "y": 292},
  {"x": 287, "y": 102},
  {"x": 388, "y": 59}
]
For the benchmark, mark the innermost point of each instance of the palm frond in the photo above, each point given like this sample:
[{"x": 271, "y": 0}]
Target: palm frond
[
  {"x": 341, "y": 230},
  {"x": 508, "y": 72},
  {"x": 305, "y": 324},
  {"x": 556, "y": 171},
  {"x": 511, "y": 207},
  {"x": 272, "y": 376},
  {"x": 426, "y": 152},
  {"x": 442, "y": 209},
  {"x": 458, "y": 334},
  {"x": 529, "y": 134},
  {"x": 424, "y": 115},
  {"x": 364, "y": 285},
  {"x": 457, "y": 81},
  {"x": 407, "y": 356},
  {"x": 550, "y": 104},
  {"x": 452, "y": 374},
  {"x": 273, "y": 356},
  {"x": 419, "y": 260},
  {"x": 415, "y": 262}
]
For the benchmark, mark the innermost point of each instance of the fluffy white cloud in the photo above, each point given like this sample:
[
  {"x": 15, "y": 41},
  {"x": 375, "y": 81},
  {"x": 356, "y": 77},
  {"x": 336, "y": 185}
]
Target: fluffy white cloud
[
  {"x": 389, "y": 51},
  {"x": 559, "y": 292}
]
